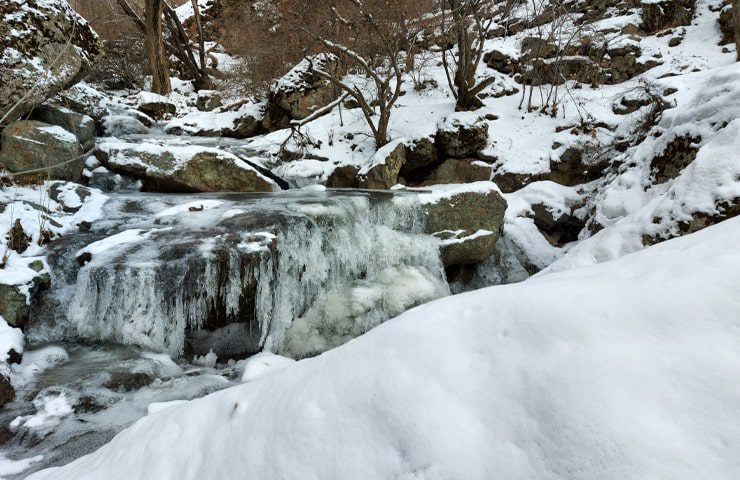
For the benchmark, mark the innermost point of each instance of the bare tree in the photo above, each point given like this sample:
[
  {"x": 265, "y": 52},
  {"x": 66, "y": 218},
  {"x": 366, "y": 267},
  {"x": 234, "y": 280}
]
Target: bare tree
[
  {"x": 371, "y": 38},
  {"x": 153, "y": 11},
  {"x": 736, "y": 15},
  {"x": 468, "y": 21}
]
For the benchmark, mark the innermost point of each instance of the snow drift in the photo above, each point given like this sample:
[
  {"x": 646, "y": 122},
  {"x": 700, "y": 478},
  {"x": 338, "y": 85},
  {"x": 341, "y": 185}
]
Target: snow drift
[{"x": 626, "y": 369}]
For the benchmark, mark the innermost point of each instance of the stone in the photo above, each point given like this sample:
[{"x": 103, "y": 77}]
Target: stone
[
  {"x": 155, "y": 105},
  {"x": 184, "y": 169},
  {"x": 558, "y": 230},
  {"x": 676, "y": 156},
  {"x": 664, "y": 14},
  {"x": 421, "y": 154},
  {"x": 501, "y": 62},
  {"x": 300, "y": 92},
  {"x": 510, "y": 182},
  {"x": 30, "y": 145},
  {"x": 7, "y": 392},
  {"x": 459, "y": 171},
  {"x": 84, "y": 99},
  {"x": 13, "y": 305},
  {"x": 469, "y": 222},
  {"x": 675, "y": 41},
  {"x": 17, "y": 238},
  {"x": 537, "y": 47},
  {"x": 459, "y": 136},
  {"x": 572, "y": 169},
  {"x": 382, "y": 173},
  {"x": 128, "y": 381},
  {"x": 47, "y": 47},
  {"x": 726, "y": 25},
  {"x": 239, "y": 124},
  {"x": 344, "y": 177},
  {"x": 122, "y": 125},
  {"x": 82, "y": 126},
  {"x": 208, "y": 100}
]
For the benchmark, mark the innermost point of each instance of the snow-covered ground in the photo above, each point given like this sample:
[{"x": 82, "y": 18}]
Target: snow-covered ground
[{"x": 619, "y": 370}]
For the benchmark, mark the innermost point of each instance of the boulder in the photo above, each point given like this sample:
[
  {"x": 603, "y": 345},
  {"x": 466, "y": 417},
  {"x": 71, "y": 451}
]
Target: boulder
[
  {"x": 84, "y": 99},
  {"x": 510, "y": 182},
  {"x": 344, "y": 177},
  {"x": 462, "y": 136},
  {"x": 501, "y": 62},
  {"x": 81, "y": 125},
  {"x": 459, "y": 171},
  {"x": 558, "y": 228},
  {"x": 243, "y": 123},
  {"x": 664, "y": 14},
  {"x": 30, "y": 144},
  {"x": 155, "y": 105},
  {"x": 421, "y": 155},
  {"x": 537, "y": 47},
  {"x": 468, "y": 219},
  {"x": 122, "y": 125},
  {"x": 7, "y": 392},
  {"x": 208, "y": 100},
  {"x": 46, "y": 48},
  {"x": 677, "y": 155},
  {"x": 382, "y": 171},
  {"x": 184, "y": 168},
  {"x": 14, "y": 305},
  {"x": 573, "y": 169},
  {"x": 726, "y": 25},
  {"x": 300, "y": 92}
]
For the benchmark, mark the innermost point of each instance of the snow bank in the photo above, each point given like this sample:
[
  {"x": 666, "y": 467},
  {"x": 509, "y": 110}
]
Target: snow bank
[{"x": 619, "y": 370}]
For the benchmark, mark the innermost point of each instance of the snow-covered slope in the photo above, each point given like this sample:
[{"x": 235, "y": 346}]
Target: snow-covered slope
[{"x": 627, "y": 369}]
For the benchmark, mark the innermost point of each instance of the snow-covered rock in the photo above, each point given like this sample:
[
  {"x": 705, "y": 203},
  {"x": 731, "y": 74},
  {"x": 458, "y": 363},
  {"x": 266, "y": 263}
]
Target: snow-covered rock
[
  {"x": 46, "y": 48},
  {"x": 184, "y": 168},
  {"x": 615, "y": 371},
  {"x": 468, "y": 219},
  {"x": 33, "y": 145}
]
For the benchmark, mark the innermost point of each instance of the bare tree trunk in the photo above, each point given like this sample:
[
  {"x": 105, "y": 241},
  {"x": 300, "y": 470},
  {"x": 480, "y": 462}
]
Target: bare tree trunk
[
  {"x": 736, "y": 15},
  {"x": 155, "y": 47},
  {"x": 201, "y": 38}
]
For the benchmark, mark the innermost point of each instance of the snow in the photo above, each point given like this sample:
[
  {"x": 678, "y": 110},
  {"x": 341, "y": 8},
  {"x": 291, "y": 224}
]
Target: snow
[
  {"x": 263, "y": 364},
  {"x": 448, "y": 191},
  {"x": 611, "y": 371},
  {"x": 10, "y": 339},
  {"x": 14, "y": 467},
  {"x": 191, "y": 207}
]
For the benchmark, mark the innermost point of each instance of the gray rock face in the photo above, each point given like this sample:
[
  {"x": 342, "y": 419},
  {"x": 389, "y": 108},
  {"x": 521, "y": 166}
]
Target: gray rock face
[
  {"x": 421, "y": 154},
  {"x": 47, "y": 47},
  {"x": 81, "y": 125},
  {"x": 469, "y": 222},
  {"x": 184, "y": 169},
  {"x": 30, "y": 144},
  {"x": 300, "y": 92},
  {"x": 666, "y": 14},
  {"x": 462, "y": 139}
]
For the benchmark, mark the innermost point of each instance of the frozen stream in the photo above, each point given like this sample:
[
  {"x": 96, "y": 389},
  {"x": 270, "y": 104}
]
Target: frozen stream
[{"x": 164, "y": 297}]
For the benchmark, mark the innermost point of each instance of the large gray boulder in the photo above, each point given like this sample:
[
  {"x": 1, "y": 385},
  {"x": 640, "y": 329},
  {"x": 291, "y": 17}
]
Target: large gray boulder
[
  {"x": 468, "y": 219},
  {"x": 31, "y": 145},
  {"x": 82, "y": 126},
  {"x": 300, "y": 92},
  {"x": 46, "y": 48},
  {"x": 184, "y": 168}
]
